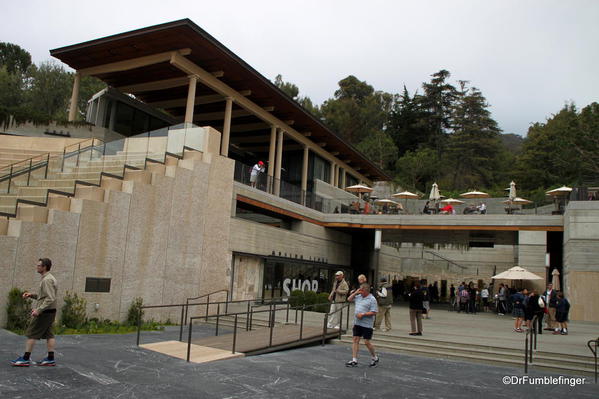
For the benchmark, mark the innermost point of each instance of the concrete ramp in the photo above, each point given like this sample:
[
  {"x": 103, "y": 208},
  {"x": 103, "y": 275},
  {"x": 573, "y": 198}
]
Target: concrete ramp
[{"x": 198, "y": 354}]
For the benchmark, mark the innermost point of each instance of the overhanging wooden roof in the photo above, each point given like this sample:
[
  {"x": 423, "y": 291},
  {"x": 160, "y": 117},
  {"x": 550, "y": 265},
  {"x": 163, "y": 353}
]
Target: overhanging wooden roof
[{"x": 212, "y": 56}]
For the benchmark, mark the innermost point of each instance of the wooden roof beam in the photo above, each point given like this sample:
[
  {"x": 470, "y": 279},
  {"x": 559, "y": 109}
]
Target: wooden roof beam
[
  {"x": 249, "y": 127},
  {"x": 133, "y": 63}
]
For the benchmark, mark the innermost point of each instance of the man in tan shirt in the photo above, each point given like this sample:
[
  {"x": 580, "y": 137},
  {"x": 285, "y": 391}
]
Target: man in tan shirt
[
  {"x": 337, "y": 296},
  {"x": 43, "y": 315}
]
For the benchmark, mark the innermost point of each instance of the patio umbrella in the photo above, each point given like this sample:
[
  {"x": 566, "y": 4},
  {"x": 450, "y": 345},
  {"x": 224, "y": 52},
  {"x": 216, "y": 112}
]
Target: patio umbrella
[
  {"x": 434, "y": 195},
  {"x": 516, "y": 273},
  {"x": 475, "y": 194},
  {"x": 555, "y": 280},
  {"x": 405, "y": 195},
  {"x": 517, "y": 201},
  {"x": 563, "y": 190},
  {"x": 452, "y": 201},
  {"x": 512, "y": 190},
  {"x": 388, "y": 202},
  {"x": 359, "y": 188}
]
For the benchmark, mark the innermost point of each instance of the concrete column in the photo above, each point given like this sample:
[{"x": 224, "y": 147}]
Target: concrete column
[
  {"x": 336, "y": 175},
  {"x": 74, "y": 97},
  {"x": 224, "y": 150},
  {"x": 343, "y": 179},
  {"x": 332, "y": 177},
  {"x": 305, "y": 174},
  {"x": 271, "y": 157},
  {"x": 279, "y": 163},
  {"x": 191, "y": 96}
]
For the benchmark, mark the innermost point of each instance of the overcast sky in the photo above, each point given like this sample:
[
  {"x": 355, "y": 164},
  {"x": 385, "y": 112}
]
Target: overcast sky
[{"x": 527, "y": 57}]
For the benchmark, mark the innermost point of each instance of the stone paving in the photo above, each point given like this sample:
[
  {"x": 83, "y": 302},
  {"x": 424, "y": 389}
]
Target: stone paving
[{"x": 111, "y": 366}]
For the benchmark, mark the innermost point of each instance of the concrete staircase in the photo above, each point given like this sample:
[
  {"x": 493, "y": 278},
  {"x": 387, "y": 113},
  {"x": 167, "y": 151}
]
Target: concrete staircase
[{"x": 495, "y": 355}]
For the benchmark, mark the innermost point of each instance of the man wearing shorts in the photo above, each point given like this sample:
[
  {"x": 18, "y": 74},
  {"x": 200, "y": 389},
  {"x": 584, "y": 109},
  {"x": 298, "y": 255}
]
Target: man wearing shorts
[
  {"x": 43, "y": 315},
  {"x": 365, "y": 312}
]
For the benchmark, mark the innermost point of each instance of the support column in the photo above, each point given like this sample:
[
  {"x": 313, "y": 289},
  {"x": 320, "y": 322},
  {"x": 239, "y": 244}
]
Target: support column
[
  {"x": 305, "y": 174},
  {"x": 271, "y": 157},
  {"x": 336, "y": 175},
  {"x": 343, "y": 179},
  {"x": 191, "y": 96},
  {"x": 332, "y": 174},
  {"x": 224, "y": 149},
  {"x": 112, "y": 120},
  {"x": 74, "y": 97},
  {"x": 279, "y": 163}
]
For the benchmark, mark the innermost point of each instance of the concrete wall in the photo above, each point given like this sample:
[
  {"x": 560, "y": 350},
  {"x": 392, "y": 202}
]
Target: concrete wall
[
  {"x": 162, "y": 242},
  {"x": 581, "y": 252},
  {"x": 249, "y": 275}
]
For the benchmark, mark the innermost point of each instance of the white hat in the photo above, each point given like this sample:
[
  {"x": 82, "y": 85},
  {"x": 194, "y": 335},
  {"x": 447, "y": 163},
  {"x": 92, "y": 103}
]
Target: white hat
[{"x": 339, "y": 273}]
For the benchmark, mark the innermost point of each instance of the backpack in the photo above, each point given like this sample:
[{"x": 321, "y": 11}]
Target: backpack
[{"x": 464, "y": 295}]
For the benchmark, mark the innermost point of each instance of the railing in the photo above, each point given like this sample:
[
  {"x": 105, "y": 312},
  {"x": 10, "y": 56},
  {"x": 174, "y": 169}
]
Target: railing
[
  {"x": 207, "y": 296},
  {"x": 272, "y": 312},
  {"x": 530, "y": 343},
  {"x": 449, "y": 261},
  {"x": 98, "y": 158},
  {"x": 590, "y": 344}
]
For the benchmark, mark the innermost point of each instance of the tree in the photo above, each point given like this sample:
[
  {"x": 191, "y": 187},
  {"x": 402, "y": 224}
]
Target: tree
[
  {"x": 473, "y": 147},
  {"x": 379, "y": 147},
  {"x": 14, "y": 58},
  {"x": 417, "y": 168},
  {"x": 50, "y": 90},
  {"x": 408, "y": 124},
  {"x": 438, "y": 100},
  {"x": 11, "y": 89},
  {"x": 293, "y": 91}
]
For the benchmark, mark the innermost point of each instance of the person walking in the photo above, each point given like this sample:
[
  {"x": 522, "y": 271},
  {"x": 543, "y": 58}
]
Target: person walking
[
  {"x": 518, "y": 309},
  {"x": 502, "y": 298},
  {"x": 337, "y": 297},
  {"x": 364, "y": 313},
  {"x": 561, "y": 314},
  {"x": 484, "y": 295},
  {"x": 416, "y": 299},
  {"x": 384, "y": 298},
  {"x": 550, "y": 297},
  {"x": 43, "y": 315},
  {"x": 532, "y": 309}
]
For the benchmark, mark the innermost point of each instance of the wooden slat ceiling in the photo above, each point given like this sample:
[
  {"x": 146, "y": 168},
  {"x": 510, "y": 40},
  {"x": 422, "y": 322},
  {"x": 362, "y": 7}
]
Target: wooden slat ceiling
[{"x": 212, "y": 56}]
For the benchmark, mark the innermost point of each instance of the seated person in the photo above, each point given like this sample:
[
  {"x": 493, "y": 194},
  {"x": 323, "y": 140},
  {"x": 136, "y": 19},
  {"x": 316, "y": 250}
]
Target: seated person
[{"x": 447, "y": 210}]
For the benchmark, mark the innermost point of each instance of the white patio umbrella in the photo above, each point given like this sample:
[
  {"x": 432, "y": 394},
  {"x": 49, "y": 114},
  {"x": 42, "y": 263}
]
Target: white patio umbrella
[
  {"x": 388, "y": 202},
  {"x": 452, "y": 201},
  {"x": 512, "y": 189},
  {"x": 563, "y": 190},
  {"x": 555, "y": 280},
  {"x": 516, "y": 273},
  {"x": 435, "y": 195},
  {"x": 474, "y": 194}
]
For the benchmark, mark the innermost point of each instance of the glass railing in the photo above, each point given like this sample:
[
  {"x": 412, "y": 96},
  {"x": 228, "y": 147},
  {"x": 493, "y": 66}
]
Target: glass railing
[{"x": 30, "y": 180}]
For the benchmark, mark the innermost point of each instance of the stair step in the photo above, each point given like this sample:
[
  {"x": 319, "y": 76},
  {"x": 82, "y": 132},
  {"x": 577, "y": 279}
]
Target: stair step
[{"x": 492, "y": 357}]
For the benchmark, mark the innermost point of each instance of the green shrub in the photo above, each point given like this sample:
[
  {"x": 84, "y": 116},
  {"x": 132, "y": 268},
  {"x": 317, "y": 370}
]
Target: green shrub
[
  {"x": 135, "y": 313},
  {"x": 73, "y": 311},
  {"x": 296, "y": 298},
  {"x": 18, "y": 311},
  {"x": 322, "y": 301},
  {"x": 310, "y": 298}
]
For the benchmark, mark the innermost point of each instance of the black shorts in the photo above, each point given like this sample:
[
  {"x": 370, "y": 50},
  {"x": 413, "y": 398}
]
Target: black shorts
[
  {"x": 41, "y": 326},
  {"x": 363, "y": 332}
]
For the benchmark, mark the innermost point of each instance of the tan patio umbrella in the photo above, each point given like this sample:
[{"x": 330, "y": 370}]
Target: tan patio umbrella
[
  {"x": 516, "y": 273},
  {"x": 512, "y": 190},
  {"x": 435, "y": 195},
  {"x": 452, "y": 201},
  {"x": 405, "y": 195},
  {"x": 517, "y": 201},
  {"x": 563, "y": 190},
  {"x": 388, "y": 202},
  {"x": 359, "y": 189},
  {"x": 555, "y": 280},
  {"x": 474, "y": 194}
]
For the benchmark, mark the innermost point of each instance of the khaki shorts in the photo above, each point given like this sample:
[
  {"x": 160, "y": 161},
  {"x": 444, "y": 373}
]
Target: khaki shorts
[{"x": 41, "y": 326}]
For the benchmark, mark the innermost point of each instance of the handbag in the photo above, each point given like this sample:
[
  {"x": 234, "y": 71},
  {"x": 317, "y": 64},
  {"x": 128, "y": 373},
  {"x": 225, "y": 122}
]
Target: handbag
[{"x": 541, "y": 303}]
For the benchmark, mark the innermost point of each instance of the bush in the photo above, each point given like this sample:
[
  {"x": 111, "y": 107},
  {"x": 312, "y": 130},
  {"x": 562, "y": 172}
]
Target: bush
[
  {"x": 18, "y": 311},
  {"x": 323, "y": 301},
  {"x": 310, "y": 298},
  {"x": 296, "y": 298},
  {"x": 73, "y": 311},
  {"x": 135, "y": 313},
  {"x": 300, "y": 298}
]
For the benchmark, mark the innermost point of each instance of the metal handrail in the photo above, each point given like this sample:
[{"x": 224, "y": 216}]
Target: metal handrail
[
  {"x": 444, "y": 258},
  {"x": 594, "y": 350},
  {"x": 530, "y": 343},
  {"x": 205, "y": 296}
]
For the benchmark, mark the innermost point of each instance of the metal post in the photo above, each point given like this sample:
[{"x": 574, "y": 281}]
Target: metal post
[
  {"x": 247, "y": 317},
  {"x": 189, "y": 338},
  {"x": 534, "y": 330},
  {"x": 234, "y": 335},
  {"x": 526, "y": 355},
  {"x": 9, "y": 179},
  {"x": 272, "y": 325},
  {"x": 251, "y": 318},
  {"x": 47, "y": 165},
  {"x": 270, "y": 314},
  {"x": 296, "y": 310},
  {"x": 186, "y": 309},
  {"x": 217, "y": 317},
  {"x": 530, "y": 347},
  {"x": 324, "y": 329},
  {"x": 207, "y": 305},
  {"x": 64, "y": 152},
  {"x": 347, "y": 320},
  {"x": 302, "y": 323},
  {"x": 138, "y": 326},
  {"x": 340, "y": 321},
  {"x": 78, "y": 153},
  {"x": 182, "y": 322},
  {"x": 287, "y": 315},
  {"x": 29, "y": 171}
]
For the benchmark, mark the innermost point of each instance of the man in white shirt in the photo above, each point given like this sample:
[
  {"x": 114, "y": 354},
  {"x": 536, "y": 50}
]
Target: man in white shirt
[
  {"x": 256, "y": 170},
  {"x": 384, "y": 298}
]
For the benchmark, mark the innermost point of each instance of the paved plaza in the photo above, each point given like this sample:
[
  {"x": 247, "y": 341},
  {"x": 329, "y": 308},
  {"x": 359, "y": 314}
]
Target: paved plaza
[{"x": 111, "y": 366}]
